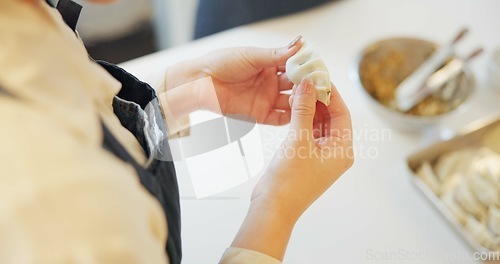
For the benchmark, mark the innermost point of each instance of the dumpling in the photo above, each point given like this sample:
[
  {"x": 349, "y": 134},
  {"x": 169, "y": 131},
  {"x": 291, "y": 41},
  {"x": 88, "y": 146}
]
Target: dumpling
[
  {"x": 492, "y": 139},
  {"x": 485, "y": 192},
  {"x": 454, "y": 208},
  {"x": 481, "y": 234},
  {"x": 488, "y": 165},
  {"x": 468, "y": 201},
  {"x": 427, "y": 175},
  {"x": 494, "y": 220},
  {"x": 307, "y": 62},
  {"x": 454, "y": 162}
]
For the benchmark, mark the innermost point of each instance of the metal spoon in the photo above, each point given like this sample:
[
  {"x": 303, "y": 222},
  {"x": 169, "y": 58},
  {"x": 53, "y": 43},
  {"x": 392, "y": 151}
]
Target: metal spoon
[
  {"x": 450, "y": 72},
  {"x": 409, "y": 93}
]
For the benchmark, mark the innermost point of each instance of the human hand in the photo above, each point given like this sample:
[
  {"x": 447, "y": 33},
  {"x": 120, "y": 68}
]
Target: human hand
[
  {"x": 249, "y": 81},
  {"x": 317, "y": 151}
]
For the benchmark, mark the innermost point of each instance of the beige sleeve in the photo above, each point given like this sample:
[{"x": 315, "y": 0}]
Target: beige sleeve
[
  {"x": 245, "y": 256},
  {"x": 64, "y": 199},
  {"x": 177, "y": 127}
]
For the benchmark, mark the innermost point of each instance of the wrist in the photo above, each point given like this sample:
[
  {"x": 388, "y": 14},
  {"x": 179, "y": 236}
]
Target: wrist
[
  {"x": 193, "y": 75},
  {"x": 275, "y": 208},
  {"x": 184, "y": 72},
  {"x": 265, "y": 230}
]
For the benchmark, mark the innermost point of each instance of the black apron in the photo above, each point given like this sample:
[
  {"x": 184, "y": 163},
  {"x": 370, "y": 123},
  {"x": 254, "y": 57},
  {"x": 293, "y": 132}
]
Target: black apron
[{"x": 159, "y": 176}]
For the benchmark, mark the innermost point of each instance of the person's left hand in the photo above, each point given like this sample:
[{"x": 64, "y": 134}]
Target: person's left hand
[{"x": 249, "y": 82}]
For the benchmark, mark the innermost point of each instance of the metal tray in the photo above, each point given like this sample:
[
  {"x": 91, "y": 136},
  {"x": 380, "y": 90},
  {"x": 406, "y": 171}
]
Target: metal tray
[{"x": 471, "y": 136}]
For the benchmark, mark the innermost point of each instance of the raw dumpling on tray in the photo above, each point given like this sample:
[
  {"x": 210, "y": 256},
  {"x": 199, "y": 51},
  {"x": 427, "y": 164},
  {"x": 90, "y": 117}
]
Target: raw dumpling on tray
[
  {"x": 308, "y": 63},
  {"x": 468, "y": 184}
]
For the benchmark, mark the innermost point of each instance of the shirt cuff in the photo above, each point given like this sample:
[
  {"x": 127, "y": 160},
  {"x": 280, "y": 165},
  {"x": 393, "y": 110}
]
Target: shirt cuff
[
  {"x": 177, "y": 127},
  {"x": 245, "y": 256}
]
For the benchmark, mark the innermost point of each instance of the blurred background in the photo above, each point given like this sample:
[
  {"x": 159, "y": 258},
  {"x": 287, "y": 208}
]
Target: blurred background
[
  {"x": 129, "y": 29},
  {"x": 370, "y": 47}
]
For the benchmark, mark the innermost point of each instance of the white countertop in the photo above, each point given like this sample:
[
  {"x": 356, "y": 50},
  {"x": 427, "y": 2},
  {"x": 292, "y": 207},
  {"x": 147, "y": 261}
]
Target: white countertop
[{"x": 374, "y": 213}]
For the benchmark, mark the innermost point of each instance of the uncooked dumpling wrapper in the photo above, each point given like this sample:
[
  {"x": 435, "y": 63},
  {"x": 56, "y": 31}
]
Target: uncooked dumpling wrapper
[
  {"x": 494, "y": 220},
  {"x": 457, "y": 211},
  {"x": 468, "y": 201},
  {"x": 482, "y": 189},
  {"x": 482, "y": 234},
  {"x": 308, "y": 63},
  {"x": 454, "y": 162},
  {"x": 427, "y": 175}
]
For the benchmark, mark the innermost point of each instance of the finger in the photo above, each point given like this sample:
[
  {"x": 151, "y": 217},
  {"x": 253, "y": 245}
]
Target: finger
[
  {"x": 338, "y": 114},
  {"x": 319, "y": 125},
  {"x": 284, "y": 83},
  {"x": 290, "y": 100},
  {"x": 264, "y": 58},
  {"x": 317, "y": 128},
  {"x": 278, "y": 118},
  {"x": 303, "y": 109},
  {"x": 282, "y": 102}
]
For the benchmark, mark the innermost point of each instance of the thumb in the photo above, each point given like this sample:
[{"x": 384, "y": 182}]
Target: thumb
[
  {"x": 264, "y": 58},
  {"x": 303, "y": 109}
]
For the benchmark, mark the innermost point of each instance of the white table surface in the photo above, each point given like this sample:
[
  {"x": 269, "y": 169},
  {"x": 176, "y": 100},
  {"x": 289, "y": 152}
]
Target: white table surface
[{"x": 374, "y": 213}]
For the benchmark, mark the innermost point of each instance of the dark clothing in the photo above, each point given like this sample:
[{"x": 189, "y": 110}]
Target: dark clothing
[
  {"x": 159, "y": 178},
  {"x": 137, "y": 108},
  {"x": 218, "y": 15}
]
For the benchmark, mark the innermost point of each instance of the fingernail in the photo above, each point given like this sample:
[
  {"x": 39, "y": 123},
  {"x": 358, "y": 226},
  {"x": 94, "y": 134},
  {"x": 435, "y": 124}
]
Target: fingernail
[
  {"x": 323, "y": 142},
  {"x": 294, "y": 42},
  {"x": 306, "y": 87}
]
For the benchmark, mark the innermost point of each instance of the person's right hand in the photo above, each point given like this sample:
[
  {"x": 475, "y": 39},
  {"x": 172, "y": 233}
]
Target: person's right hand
[{"x": 317, "y": 151}]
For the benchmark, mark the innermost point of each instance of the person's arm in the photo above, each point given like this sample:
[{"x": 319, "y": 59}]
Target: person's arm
[
  {"x": 266, "y": 229},
  {"x": 244, "y": 81},
  {"x": 250, "y": 81},
  {"x": 305, "y": 166}
]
